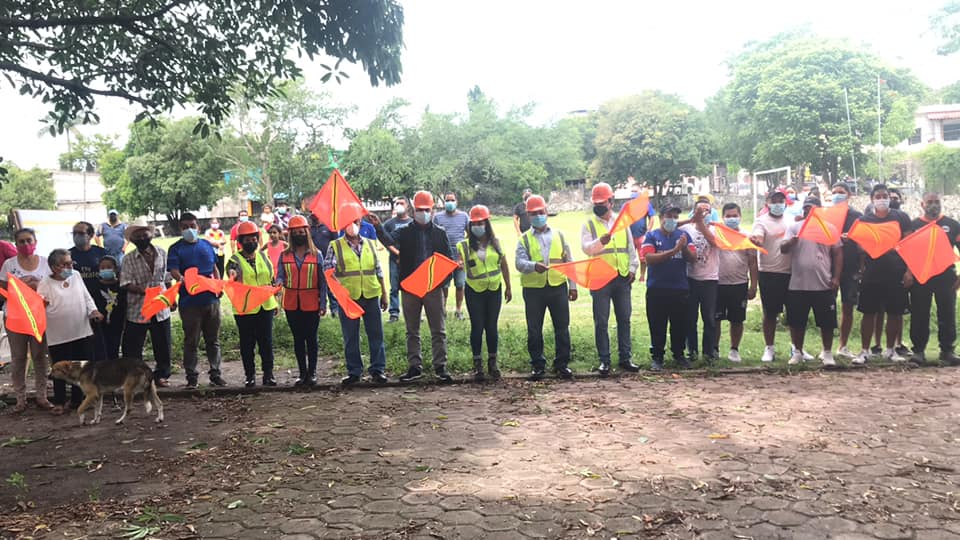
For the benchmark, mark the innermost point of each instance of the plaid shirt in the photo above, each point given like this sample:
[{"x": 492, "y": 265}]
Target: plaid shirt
[{"x": 135, "y": 271}]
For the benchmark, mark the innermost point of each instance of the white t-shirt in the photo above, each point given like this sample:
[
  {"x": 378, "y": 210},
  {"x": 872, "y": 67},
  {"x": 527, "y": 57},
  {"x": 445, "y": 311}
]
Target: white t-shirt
[
  {"x": 735, "y": 266},
  {"x": 12, "y": 266},
  {"x": 68, "y": 315},
  {"x": 707, "y": 265},
  {"x": 773, "y": 232}
]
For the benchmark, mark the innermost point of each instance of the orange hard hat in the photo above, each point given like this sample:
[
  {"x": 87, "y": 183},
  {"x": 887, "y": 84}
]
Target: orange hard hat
[
  {"x": 479, "y": 213},
  {"x": 298, "y": 222},
  {"x": 536, "y": 202},
  {"x": 601, "y": 193},
  {"x": 247, "y": 227},
  {"x": 423, "y": 200}
]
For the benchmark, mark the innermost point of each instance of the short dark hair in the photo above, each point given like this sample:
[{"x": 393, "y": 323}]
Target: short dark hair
[
  {"x": 110, "y": 259},
  {"x": 878, "y": 187},
  {"x": 86, "y": 225},
  {"x": 731, "y": 206},
  {"x": 25, "y": 230},
  {"x": 187, "y": 216},
  {"x": 243, "y": 212},
  {"x": 449, "y": 193},
  {"x": 842, "y": 185},
  {"x": 897, "y": 191}
]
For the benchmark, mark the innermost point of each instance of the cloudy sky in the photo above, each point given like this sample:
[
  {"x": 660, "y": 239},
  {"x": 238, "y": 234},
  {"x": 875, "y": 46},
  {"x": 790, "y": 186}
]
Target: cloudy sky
[{"x": 566, "y": 55}]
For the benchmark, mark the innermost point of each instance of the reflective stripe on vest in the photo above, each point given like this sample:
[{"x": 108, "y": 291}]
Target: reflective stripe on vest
[
  {"x": 536, "y": 280},
  {"x": 615, "y": 253},
  {"x": 357, "y": 274},
  {"x": 482, "y": 275},
  {"x": 301, "y": 290},
  {"x": 261, "y": 275}
]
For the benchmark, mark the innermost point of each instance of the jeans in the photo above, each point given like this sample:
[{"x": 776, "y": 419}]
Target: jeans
[
  {"x": 702, "y": 304},
  {"x": 135, "y": 335},
  {"x": 256, "y": 330},
  {"x": 536, "y": 303},
  {"x": 373, "y": 324},
  {"x": 921, "y": 298},
  {"x": 484, "y": 310},
  {"x": 618, "y": 291},
  {"x": 667, "y": 306},
  {"x": 77, "y": 350},
  {"x": 20, "y": 344},
  {"x": 432, "y": 305},
  {"x": 394, "y": 288},
  {"x": 196, "y": 321},
  {"x": 332, "y": 304},
  {"x": 303, "y": 326}
]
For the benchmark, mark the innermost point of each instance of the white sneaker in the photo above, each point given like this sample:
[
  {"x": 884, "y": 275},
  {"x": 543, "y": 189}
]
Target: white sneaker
[
  {"x": 861, "y": 358},
  {"x": 795, "y": 358},
  {"x": 806, "y": 356},
  {"x": 734, "y": 356},
  {"x": 768, "y": 354},
  {"x": 893, "y": 356},
  {"x": 827, "y": 358},
  {"x": 844, "y": 352}
]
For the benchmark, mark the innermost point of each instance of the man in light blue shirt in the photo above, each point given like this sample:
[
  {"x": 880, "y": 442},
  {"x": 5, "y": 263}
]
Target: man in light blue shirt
[
  {"x": 111, "y": 235},
  {"x": 454, "y": 222}
]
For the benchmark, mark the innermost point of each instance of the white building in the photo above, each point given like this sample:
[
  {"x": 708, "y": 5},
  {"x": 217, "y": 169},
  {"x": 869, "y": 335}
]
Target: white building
[{"x": 934, "y": 124}]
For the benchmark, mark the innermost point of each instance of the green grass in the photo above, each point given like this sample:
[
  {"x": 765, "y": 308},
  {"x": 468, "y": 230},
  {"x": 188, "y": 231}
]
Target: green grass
[{"x": 513, "y": 335}]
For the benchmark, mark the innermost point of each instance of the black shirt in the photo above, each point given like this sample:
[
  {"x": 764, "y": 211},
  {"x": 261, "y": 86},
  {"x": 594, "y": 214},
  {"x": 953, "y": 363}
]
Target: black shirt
[
  {"x": 949, "y": 226},
  {"x": 889, "y": 268},
  {"x": 392, "y": 225},
  {"x": 87, "y": 264},
  {"x": 520, "y": 210},
  {"x": 852, "y": 254}
]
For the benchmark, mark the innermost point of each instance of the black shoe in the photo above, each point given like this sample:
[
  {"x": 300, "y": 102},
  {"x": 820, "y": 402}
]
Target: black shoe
[
  {"x": 250, "y": 382},
  {"x": 604, "y": 369},
  {"x": 349, "y": 379},
  {"x": 299, "y": 382},
  {"x": 394, "y": 318},
  {"x": 191, "y": 384},
  {"x": 656, "y": 365},
  {"x": 537, "y": 374},
  {"x": 478, "y": 376},
  {"x": 492, "y": 368},
  {"x": 269, "y": 381},
  {"x": 412, "y": 374},
  {"x": 378, "y": 377},
  {"x": 950, "y": 359},
  {"x": 682, "y": 362},
  {"x": 629, "y": 366},
  {"x": 312, "y": 381},
  {"x": 876, "y": 351},
  {"x": 495, "y": 374},
  {"x": 902, "y": 350},
  {"x": 217, "y": 380},
  {"x": 564, "y": 372},
  {"x": 443, "y": 377}
]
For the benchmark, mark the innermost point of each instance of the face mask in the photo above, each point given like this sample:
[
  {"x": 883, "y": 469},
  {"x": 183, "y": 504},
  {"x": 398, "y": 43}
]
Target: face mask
[
  {"x": 242, "y": 219},
  {"x": 66, "y": 273},
  {"x": 478, "y": 230},
  {"x": 895, "y": 204},
  {"x": 450, "y": 206},
  {"x": 214, "y": 226},
  {"x": 190, "y": 235},
  {"x": 422, "y": 216},
  {"x": 634, "y": 195},
  {"x": 669, "y": 224},
  {"x": 107, "y": 275},
  {"x": 600, "y": 210},
  {"x": 777, "y": 209},
  {"x": 401, "y": 211},
  {"x": 881, "y": 204},
  {"x": 932, "y": 210},
  {"x": 732, "y": 222},
  {"x": 114, "y": 218},
  {"x": 249, "y": 247},
  {"x": 26, "y": 249},
  {"x": 142, "y": 243},
  {"x": 839, "y": 198},
  {"x": 281, "y": 211},
  {"x": 80, "y": 239},
  {"x": 353, "y": 229},
  {"x": 539, "y": 221},
  {"x": 299, "y": 239},
  {"x": 792, "y": 196}
]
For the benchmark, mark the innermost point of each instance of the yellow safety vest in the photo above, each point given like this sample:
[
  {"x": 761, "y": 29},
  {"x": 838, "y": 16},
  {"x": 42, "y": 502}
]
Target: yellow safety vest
[
  {"x": 357, "y": 274},
  {"x": 481, "y": 275},
  {"x": 536, "y": 280},
  {"x": 616, "y": 252},
  {"x": 261, "y": 275}
]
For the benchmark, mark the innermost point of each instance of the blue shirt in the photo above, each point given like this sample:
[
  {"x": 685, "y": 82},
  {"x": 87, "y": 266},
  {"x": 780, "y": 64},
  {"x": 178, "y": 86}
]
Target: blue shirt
[
  {"x": 456, "y": 227},
  {"x": 671, "y": 274},
  {"x": 639, "y": 228},
  {"x": 200, "y": 255},
  {"x": 113, "y": 239}
]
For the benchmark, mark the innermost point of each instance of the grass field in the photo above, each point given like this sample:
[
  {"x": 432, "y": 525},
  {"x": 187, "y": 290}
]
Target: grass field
[{"x": 513, "y": 335}]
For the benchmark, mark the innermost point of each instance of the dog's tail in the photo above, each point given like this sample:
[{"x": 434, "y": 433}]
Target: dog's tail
[{"x": 152, "y": 399}]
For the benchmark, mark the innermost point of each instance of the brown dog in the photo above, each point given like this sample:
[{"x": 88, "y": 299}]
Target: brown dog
[{"x": 96, "y": 378}]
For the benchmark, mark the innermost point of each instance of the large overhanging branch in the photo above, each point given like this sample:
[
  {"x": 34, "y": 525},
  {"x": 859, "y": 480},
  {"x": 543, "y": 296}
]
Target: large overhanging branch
[
  {"x": 89, "y": 20},
  {"x": 75, "y": 86}
]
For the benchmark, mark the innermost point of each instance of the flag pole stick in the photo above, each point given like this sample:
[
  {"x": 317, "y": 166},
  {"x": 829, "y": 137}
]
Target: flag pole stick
[{"x": 853, "y": 153}]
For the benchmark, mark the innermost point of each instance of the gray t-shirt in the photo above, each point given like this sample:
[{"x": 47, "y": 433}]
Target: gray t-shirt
[
  {"x": 735, "y": 266},
  {"x": 811, "y": 262},
  {"x": 456, "y": 227}
]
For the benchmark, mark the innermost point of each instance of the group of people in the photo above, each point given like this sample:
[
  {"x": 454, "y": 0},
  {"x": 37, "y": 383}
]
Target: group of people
[{"x": 94, "y": 298}]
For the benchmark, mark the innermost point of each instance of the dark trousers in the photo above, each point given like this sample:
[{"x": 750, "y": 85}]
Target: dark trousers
[
  {"x": 78, "y": 350},
  {"x": 667, "y": 306},
  {"x": 219, "y": 264},
  {"x": 303, "y": 326},
  {"x": 373, "y": 325},
  {"x": 484, "y": 310},
  {"x": 702, "y": 304},
  {"x": 256, "y": 330},
  {"x": 617, "y": 291},
  {"x": 536, "y": 303},
  {"x": 135, "y": 335},
  {"x": 921, "y": 297},
  {"x": 394, "y": 288},
  {"x": 107, "y": 337}
]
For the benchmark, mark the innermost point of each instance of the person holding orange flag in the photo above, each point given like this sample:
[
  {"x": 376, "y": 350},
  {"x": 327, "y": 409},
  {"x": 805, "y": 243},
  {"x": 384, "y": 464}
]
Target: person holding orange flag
[
  {"x": 356, "y": 266},
  {"x": 619, "y": 252},
  {"x": 304, "y": 296},
  {"x": 850, "y": 277},
  {"x": 942, "y": 287},
  {"x": 736, "y": 268},
  {"x": 774, "y": 265},
  {"x": 545, "y": 289}
]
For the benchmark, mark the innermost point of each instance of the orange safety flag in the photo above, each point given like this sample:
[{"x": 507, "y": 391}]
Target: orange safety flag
[
  {"x": 593, "y": 273},
  {"x": 196, "y": 284},
  {"x": 429, "y": 275},
  {"x": 26, "y": 313},
  {"x": 927, "y": 252},
  {"x": 156, "y": 299},
  {"x": 329, "y": 205},
  {"x": 350, "y": 308},
  {"x": 732, "y": 239},
  {"x": 631, "y": 213},
  {"x": 824, "y": 225},
  {"x": 875, "y": 238},
  {"x": 247, "y": 299}
]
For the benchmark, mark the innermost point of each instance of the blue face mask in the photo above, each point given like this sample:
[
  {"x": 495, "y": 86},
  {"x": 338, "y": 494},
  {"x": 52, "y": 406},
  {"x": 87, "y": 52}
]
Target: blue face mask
[
  {"x": 450, "y": 206},
  {"x": 422, "y": 216},
  {"x": 669, "y": 224},
  {"x": 732, "y": 222},
  {"x": 777, "y": 209},
  {"x": 839, "y": 198},
  {"x": 107, "y": 275},
  {"x": 190, "y": 235},
  {"x": 478, "y": 230},
  {"x": 241, "y": 219},
  {"x": 539, "y": 221},
  {"x": 66, "y": 273}
]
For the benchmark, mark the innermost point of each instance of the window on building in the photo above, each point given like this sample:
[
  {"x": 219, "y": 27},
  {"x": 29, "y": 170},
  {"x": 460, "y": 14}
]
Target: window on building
[
  {"x": 915, "y": 138},
  {"x": 951, "y": 132}
]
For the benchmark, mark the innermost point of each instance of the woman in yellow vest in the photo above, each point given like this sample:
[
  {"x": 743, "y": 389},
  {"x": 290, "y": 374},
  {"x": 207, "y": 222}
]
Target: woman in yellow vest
[
  {"x": 252, "y": 267},
  {"x": 304, "y": 296},
  {"x": 485, "y": 267},
  {"x": 355, "y": 265}
]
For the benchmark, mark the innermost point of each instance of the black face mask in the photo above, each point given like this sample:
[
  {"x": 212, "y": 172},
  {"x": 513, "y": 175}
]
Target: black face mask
[
  {"x": 932, "y": 210},
  {"x": 895, "y": 204},
  {"x": 600, "y": 210},
  {"x": 298, "y": 239},
  {"x": 249, "y": 247},
  {"x": 142, "y": 243}
]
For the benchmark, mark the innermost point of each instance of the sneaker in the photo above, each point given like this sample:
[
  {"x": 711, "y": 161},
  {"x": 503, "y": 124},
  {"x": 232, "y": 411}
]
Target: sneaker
[
  {"x": 827, "y": 358},
  {"x": 217, "y": 380},
  {"x": 443, "y": 377},
  {"x": 844, "y": 352},
  {"x": 893, "y": 356},
  {"x": 919, "y": 359},
  {"x": 806, "y": 356},
  {"x": 734, "y": 356},
  {"x": 412, "y": 374},
  {"x": 768, "y": 354},
  {"x": 394, "y": 318},
  {"x": 795, "y": 358},
  {"x": 163, "y": 383},
  {"x": 949, "y": 358},
  {"x": 876, "y": 351},
  {"x": 458, "y": 315},
  {"x": 682, "y": 362},
  {"x": 349, "y": 380},
  {"x": 861, "y": 358},
  {"x": 656, "y": 365},
  {"x": 902, "y": 350},
  {"x": 191, "y": 384},
  {"x": 378, "y": 377},
  {"x": 250, "y": 382}
]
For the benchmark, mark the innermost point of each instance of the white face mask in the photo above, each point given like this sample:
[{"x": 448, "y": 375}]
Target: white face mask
[
  {"x": 353, "y": 229},
  {"x": 422, "y": 216}
]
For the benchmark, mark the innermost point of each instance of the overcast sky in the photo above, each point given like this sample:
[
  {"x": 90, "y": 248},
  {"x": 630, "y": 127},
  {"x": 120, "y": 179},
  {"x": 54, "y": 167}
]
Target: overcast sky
[{"x": 565, "y": 55}]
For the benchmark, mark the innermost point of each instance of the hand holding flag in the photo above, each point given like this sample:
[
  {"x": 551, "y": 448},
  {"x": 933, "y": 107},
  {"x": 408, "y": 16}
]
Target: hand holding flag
[
  {"x": 350, "y": 308},
  {"x": 593, "y": 273},
  {"x": 732, "y": 239},
  {"x": 875, "y": 238},
  {"x": 331, "y": 207},
  {"x": 632, "y": 211},
  {"x": 429, "y": 275},
  {"x": 824, "y": 225},
  {"x": 157, "y": 299},
  {"x": 927, "y": 252}
]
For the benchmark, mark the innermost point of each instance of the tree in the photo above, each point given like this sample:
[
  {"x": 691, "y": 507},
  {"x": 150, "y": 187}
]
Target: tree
[
  {"x": 26, "y": 189},
  {"x": 949, "y": 93},
  {"x": 653, "y": 136},
  {"x": 376, "y": 165},
  {"x": 946, "y": 23},
  {"x": 163, "y": 170},
  {"x": 156, "y": 54},
  {"x": 86, "y": 153},
  {"x": 940, "y": 168}
]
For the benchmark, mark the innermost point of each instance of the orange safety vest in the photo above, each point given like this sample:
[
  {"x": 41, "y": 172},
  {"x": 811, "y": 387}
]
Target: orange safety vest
[{"x": 301, "y": 290}]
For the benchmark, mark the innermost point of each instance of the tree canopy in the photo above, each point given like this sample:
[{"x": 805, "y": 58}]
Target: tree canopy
[
  {"x": 28, "y": 189},
  {"x": 946, "y": 23},
  {"x": 940, "y": 165}
]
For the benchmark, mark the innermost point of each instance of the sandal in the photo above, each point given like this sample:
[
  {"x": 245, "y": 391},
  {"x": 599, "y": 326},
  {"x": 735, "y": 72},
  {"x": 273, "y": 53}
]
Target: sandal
[
  {"x": 20, "y": 407},
  {"x": 55, "y": 410}
]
